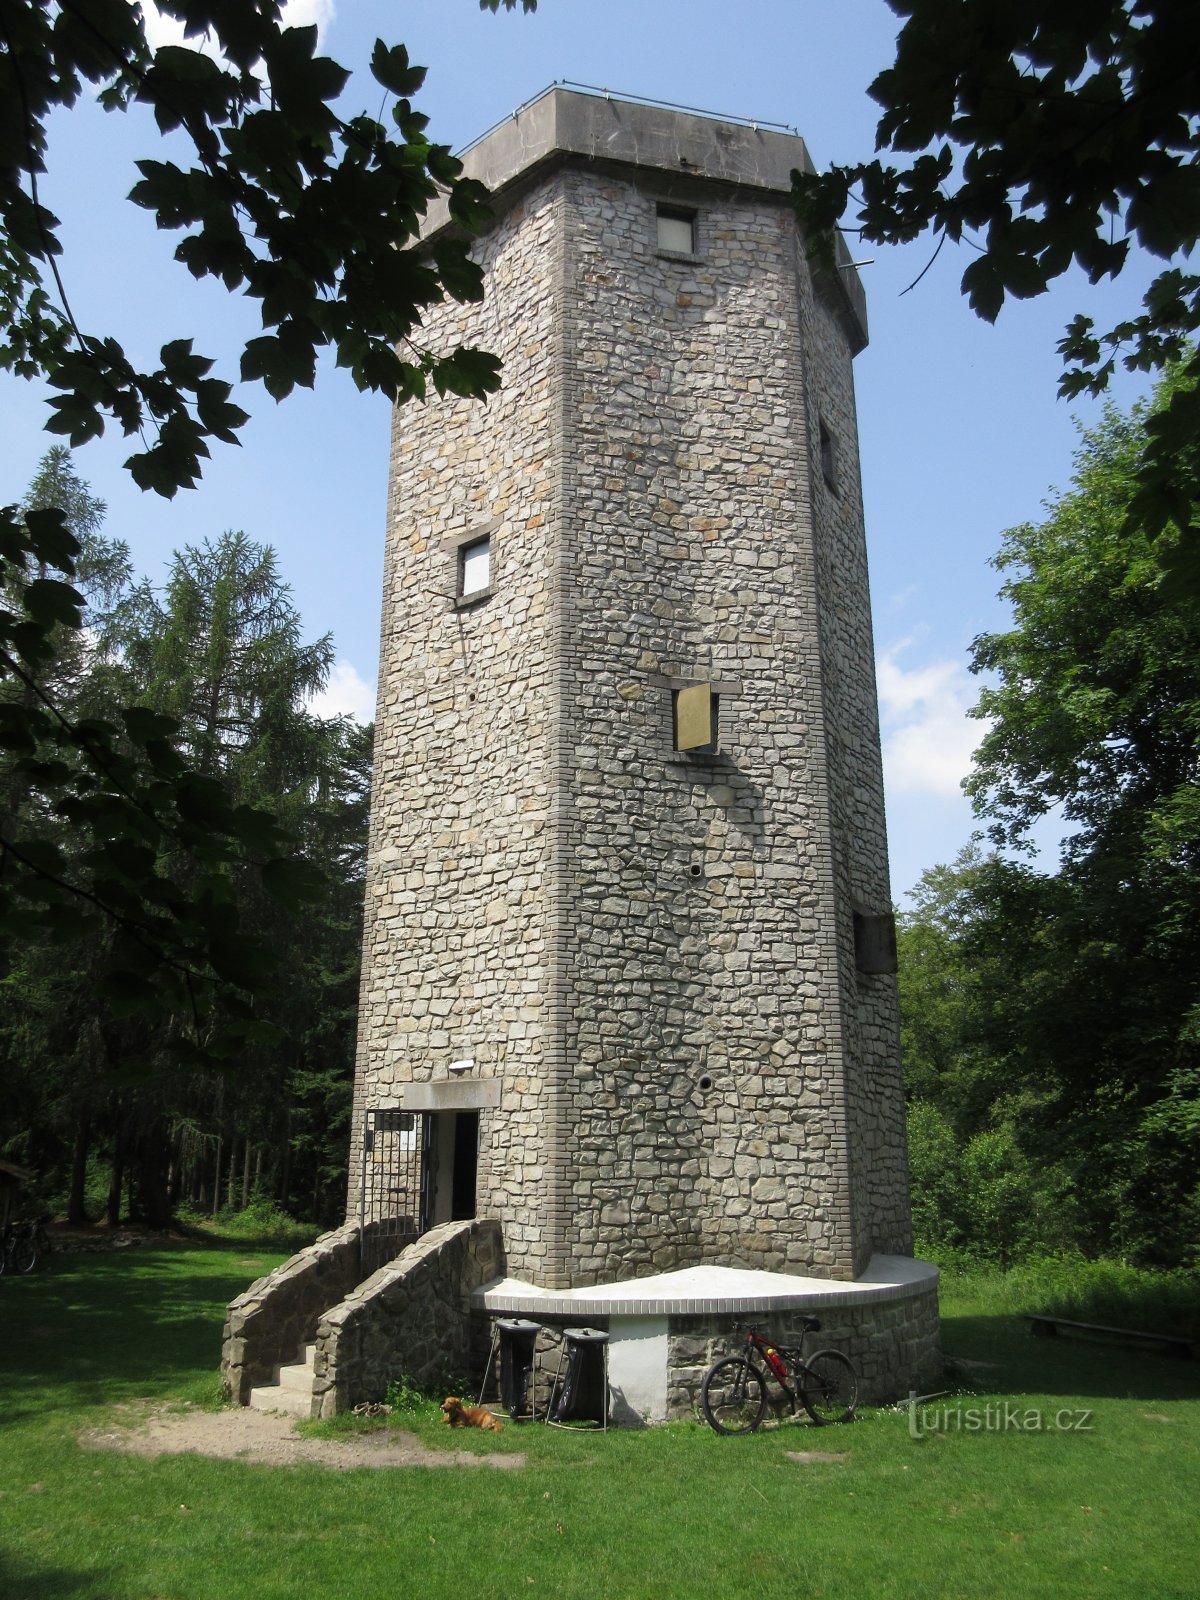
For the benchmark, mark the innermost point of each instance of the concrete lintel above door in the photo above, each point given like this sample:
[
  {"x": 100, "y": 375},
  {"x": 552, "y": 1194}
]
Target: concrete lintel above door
[{"x": 451, "y": 1094}]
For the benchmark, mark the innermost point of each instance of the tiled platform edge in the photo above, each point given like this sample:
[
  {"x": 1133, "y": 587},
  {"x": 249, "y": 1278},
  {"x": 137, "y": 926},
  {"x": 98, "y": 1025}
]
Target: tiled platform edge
[{"x": 411, "y": 1318}]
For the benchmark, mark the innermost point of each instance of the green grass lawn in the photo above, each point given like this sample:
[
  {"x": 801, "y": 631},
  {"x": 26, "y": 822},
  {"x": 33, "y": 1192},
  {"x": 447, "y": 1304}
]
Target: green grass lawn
[{"x": 674, "y": 1511}]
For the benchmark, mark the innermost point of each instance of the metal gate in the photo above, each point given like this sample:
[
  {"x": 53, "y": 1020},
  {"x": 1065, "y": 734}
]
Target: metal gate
[{"x": 393, "y": 1205}]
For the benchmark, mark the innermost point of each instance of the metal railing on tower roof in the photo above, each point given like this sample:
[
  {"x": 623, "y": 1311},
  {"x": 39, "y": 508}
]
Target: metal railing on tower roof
[{"x": 633, "y": 100}]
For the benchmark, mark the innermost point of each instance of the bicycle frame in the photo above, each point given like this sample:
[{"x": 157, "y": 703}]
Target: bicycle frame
[{"x": 758, "y": 1344}]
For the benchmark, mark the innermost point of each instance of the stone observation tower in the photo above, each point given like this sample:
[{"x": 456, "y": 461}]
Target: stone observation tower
[{"x": 628, "y": 968}]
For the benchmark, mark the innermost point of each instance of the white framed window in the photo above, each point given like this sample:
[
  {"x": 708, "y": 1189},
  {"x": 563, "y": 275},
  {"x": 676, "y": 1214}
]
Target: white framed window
[
  {"x": 474, "y": 567},
  {"x": 676, "y": 231}
]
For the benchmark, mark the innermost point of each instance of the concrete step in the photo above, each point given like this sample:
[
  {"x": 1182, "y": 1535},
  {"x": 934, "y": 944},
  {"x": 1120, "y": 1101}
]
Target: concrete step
[
  {"x": 290, "y": 1401},
  {"x": 300, "y": 1374},
  {"x": 292, "y": 1394}
]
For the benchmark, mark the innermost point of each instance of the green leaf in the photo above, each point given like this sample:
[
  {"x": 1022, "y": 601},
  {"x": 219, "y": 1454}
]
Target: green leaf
[
  {"x": 49, "y": 601},
  {"x": 468, "y": 372},
  {"x": 146, "y": 726},
  {"x": 51, "y": 540},
  {"x": 984, "y": 288},
  {"x": 129, "y": 994},
  {"x": 391, "y": 68},
  {"x": 241, "y": 960}
]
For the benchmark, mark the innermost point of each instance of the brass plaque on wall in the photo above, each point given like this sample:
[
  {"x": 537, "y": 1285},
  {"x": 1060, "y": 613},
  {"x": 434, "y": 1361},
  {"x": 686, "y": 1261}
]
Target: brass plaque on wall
[{"x": 693, "y": 717}]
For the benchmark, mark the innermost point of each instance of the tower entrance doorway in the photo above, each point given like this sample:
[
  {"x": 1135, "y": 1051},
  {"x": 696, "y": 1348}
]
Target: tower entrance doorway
[
  {"x": 419, "y": 1169},
  {"x": 452, "y": 1163}
]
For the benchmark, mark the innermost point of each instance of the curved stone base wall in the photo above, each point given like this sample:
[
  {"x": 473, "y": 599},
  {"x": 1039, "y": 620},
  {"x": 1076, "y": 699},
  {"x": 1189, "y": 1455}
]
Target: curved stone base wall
[
  {"x": 665, "y": 1332},
  {"x": 896, "y": 1347}
]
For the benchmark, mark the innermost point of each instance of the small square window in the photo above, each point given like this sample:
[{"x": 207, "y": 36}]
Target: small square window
[
  {"x": 696, "y": 713},
  {"x": 474, "y": 567},
  {"x": 828, "y": 456},
  {"x": 676, "y": 231}
]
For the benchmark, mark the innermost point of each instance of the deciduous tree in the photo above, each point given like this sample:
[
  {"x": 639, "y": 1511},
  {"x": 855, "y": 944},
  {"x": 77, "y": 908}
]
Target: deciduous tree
[{"x": 1062, "y": 1010}]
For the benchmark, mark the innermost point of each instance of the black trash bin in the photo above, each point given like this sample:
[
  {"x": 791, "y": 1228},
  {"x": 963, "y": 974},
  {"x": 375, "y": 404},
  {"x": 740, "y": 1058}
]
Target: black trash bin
[
  {"x": 581, "y": 1394},
  {"x": 517, "y": 1339}
]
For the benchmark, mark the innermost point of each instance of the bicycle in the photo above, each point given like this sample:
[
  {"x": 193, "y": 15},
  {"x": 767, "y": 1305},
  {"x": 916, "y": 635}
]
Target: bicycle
[
  {"x": 22, "y": 1243},
  {"x": 733, "y": 1395}
]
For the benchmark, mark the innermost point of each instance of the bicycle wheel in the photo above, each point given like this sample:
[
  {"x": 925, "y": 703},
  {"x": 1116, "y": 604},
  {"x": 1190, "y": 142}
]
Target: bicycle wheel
[
  {"x": 828, "y": 1386},
  {"x": 24, "y": 1254},
  {"x": 733, "y": 1396}
]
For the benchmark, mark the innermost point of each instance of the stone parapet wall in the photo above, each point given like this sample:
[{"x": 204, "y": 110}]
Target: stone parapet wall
[
  {"x": 268, "y": 1325},
  {"x": 410, "y": 1319}
]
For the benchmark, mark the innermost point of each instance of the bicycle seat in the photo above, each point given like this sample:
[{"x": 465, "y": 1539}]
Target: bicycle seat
[{"x": 811, "y": 1324}]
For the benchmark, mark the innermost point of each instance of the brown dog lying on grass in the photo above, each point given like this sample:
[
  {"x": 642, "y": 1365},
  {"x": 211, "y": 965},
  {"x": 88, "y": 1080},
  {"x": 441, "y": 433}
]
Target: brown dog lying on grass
[{"x": 458, "y": 1415}]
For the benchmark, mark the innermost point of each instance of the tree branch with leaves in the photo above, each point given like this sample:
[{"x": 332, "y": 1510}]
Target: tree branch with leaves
[
  {"x": 1046, "y": 137},
  {"x": 313, "y": 214}
]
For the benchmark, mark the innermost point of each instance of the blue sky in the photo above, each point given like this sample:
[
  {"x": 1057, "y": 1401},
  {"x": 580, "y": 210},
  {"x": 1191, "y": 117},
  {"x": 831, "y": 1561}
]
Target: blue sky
[{"x": 962, "y": 435}]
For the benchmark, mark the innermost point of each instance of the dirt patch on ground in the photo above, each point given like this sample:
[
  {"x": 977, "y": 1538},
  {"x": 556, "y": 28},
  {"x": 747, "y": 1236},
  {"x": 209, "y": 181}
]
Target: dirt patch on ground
[
  {"x": 239, "y": 1434},
  {"x": 808, "y": 1457}
]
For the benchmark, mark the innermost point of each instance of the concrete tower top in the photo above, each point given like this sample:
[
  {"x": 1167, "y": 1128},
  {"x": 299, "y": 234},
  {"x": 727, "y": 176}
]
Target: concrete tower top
[{"x": 682, "y": 148}]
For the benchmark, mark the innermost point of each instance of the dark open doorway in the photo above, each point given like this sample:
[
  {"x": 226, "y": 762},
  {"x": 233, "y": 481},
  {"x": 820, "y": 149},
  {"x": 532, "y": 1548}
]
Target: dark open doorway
[
  {"x": 450, "y": 1162},
  {"x": 466, "y": 1162}
]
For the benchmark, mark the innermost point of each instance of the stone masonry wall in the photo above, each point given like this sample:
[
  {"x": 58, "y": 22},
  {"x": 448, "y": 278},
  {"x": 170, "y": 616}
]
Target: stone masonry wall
[
  {"x": 874, "y": 1103},
  {"x": 652, "y": 953},
  {"x": 411, "y": 1318},
  {"x": 455, "y": 958},
  {"x": 709, "y": 1028}
]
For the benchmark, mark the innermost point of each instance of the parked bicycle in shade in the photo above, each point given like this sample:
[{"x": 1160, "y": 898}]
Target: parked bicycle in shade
[{"x": 24, "y": 1243}]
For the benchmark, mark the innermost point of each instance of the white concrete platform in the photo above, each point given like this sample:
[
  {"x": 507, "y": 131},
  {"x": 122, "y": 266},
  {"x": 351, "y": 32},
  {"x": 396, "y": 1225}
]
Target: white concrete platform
[
  {"x": 700, "y": 1291},
  {"x": 638, "y": 1313}
]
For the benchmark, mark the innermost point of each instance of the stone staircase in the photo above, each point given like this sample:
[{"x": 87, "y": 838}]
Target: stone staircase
[{"x": 293, "y": 1392}]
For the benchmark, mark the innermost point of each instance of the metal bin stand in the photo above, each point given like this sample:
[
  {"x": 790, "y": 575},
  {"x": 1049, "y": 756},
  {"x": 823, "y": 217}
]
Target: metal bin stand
[
  {"x": 581, "y": 1394},
  {"x": 513, "y": 1341}
]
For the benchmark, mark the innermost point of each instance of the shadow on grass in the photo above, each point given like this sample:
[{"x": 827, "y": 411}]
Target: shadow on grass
[
  {"x": 97, "y": 1329},
  {"x": 29, "y": 1582},
  {"x": 1015, "y": 1361}
]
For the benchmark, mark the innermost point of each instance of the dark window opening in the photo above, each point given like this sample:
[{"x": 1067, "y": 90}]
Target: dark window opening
[
  {"x": 875, "y": 941},
  {"x": 466, "y": 1164},
  {"x": 828, "y": 456}
]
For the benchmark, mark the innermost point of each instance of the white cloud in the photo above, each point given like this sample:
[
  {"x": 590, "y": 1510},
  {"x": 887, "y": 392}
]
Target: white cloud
[
  {"x": 899, "y": 600},
  {"x": 928, "y": 738},
  {"x": 347, "y": 694},
  {"x": 296, "y": 14}
]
